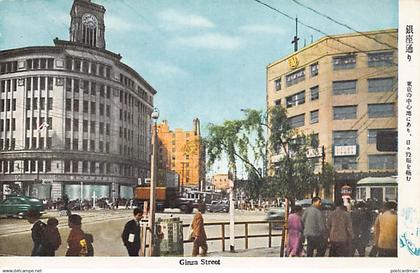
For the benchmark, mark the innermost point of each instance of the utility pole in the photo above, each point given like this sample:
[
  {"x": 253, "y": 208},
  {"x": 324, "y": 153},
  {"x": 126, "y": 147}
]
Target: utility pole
[
  {"x": 231, "y": 212},
  {"x": 296, "y": 39}
]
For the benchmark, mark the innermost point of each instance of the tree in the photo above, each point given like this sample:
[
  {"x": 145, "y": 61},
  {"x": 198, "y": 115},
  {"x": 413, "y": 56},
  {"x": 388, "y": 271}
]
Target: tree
[{"x": 246, "y": 140}]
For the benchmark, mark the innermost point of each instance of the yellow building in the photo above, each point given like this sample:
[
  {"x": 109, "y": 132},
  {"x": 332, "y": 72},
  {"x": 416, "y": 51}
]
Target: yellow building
[
  {"x": 342, "y": 88},
  {"x": 221, "y": 181},
  {"x": 183, "y": 152}
]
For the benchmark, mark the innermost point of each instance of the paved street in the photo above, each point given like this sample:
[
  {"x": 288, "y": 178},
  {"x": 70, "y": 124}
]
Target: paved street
[{"x": 106, "y": 227}]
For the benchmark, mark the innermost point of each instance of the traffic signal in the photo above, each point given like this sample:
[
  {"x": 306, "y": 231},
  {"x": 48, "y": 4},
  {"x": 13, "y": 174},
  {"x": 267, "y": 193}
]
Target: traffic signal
[{"x": 387, "y": 141}]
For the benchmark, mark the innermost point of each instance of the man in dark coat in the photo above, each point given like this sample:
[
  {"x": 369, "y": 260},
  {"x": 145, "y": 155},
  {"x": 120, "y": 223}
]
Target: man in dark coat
[
  {"x": 38, "y": 228},
  {"x": 131, "y": 233}
]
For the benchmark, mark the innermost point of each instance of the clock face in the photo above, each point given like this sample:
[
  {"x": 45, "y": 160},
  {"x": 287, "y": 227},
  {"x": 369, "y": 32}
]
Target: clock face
[{"x": 89, "y": 20}]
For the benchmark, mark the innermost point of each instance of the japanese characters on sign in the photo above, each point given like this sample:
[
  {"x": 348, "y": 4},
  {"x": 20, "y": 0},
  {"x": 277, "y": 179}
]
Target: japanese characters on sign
[
  {"x": 409, "y": 33},
  {"x": 408, "y": 118}
]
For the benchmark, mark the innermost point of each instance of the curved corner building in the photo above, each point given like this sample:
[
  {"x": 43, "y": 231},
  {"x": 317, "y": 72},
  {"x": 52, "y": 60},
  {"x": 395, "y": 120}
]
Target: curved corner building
[{"x": 74, "y": 119}]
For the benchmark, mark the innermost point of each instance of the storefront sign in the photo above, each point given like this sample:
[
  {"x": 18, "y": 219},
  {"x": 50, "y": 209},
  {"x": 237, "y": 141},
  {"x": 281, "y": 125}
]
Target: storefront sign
[{"x": 348, "y": 150}]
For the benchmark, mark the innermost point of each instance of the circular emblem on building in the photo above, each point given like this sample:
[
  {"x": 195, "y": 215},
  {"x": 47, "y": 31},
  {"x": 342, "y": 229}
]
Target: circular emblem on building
[
  {"x": 293, "y": 62},
  {"x": 89, "y": 20}
]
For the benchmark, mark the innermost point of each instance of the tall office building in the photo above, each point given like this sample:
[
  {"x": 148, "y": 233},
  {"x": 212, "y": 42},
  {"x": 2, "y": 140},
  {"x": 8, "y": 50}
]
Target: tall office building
[
  {"x": 183, "y": 152},
  {"x": 342, "y": 88},
  {"x": 74, "y": 118}
]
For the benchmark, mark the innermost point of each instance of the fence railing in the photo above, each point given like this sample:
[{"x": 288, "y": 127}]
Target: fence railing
[{"x": 246, "y": 236}]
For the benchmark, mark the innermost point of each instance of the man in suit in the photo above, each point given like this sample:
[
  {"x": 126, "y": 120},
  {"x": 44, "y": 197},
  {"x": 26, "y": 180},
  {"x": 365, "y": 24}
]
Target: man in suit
[
  {"x": 38, "y": 228},
  {"x": 131, "y": 233}
]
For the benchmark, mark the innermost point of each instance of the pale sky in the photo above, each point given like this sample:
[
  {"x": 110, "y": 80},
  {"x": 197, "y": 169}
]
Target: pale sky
[{"x": 206, "y": 59}]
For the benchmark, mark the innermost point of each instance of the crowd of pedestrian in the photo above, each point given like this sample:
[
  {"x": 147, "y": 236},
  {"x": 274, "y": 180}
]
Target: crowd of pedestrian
[{"x": 344, "y": 231}]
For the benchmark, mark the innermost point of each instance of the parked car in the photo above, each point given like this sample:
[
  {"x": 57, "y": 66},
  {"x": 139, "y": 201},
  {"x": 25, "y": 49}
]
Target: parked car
[
  {"x": 218, "y": 206},
  {"x": 18, "y": 206}
]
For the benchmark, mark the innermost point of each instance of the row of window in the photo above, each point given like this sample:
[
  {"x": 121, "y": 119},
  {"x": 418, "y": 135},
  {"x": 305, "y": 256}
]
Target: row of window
[
  {"x": 375, "y": 162},
  {"x": 7, "y": 144},
  {"x": 73, "y": 105},
  {"x": 88, "y": 67},
  {"x": 87, "y": 145},
  {"x": 89, "y": 87},
  {"x": 7, "y": 104},
  {"x": 103, "y": 128},
  {"x": 39, "y": 83},
  {"x": 8, "y": 85},
  {"x": 341, "y": 88},
  {"x": 70, "y": 166},
  {"x": 32, "y": 103},
  {"x": 379, "y": 110},
  {"x": 7, "y": 124},
  {"x": 375, "y": 59},
  {"x": 40, "y": 125}
]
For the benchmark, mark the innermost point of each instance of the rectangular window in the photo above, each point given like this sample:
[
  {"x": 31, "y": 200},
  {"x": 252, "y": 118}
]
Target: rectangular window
[
  {"x": 107, "y": 129},
  {"x": 35, "y": 79},
  {"x": 344, "y": 87},
  {"x": 67, "y": 144},
  {"x": 68, "y": 84},
  {"x": 101, "y": 146},
  {"x": 50, "y": 124},
  {"x": 49, "y": 142},
  {"x": 35, "y": 103},
  {"x": 76, "y": 105},
  {"x": 295, "y": 99},
  {"x": 66, "y": 166},
  {"x": 92, "y": 107},
  {"x": 381, "y": 85},
  {"x": 50, "y": 103},
  {"x": 42, "y": 83},
  {"x": 101, "y": 109},
  {"x": 75, "y": 144},
  {"x": 2, "y": 105},
  {"x": 295, "y": 77},
  {"x": 277, "y": 84},
  {"x": 85, "y": 166},
  {"x": 314, "y": 116},
  {"x": 14, "y": 85},
  {"x": 107, "y": 147},
  {"x": 92, "y": 145},
  {"x": 47, "y": 165},
  {"x": 41, "y": 143},
  {"x": 297, "y": 121},
  {"x": 345, "y": 162},
  {"x": 13, "y": 124},
  {"x": 85, "y": 126},
  {"x": 101, "y": 128},
  {"x": 108, "y": 110},
  {"x": 93, "y": 88},
  {"x": 50, "y": 63},
  {"x": 28, "y": 104},
  {"x": 68, "y": 104},
  {"x": 344, "y": 62},
  {"x": 343, "y": 138},
  {"x": 34, "y": 124},
  {"x": 315, "y": 93},
  {"x": 381, "y": 110},
  {"x": 13, "y": 104},
  {"x": 68, "y": 124},
  {"x": 92, "y": 167},
  {"x": 86, "y": 87},
  {"x": 28, "y": 84},
  {"x": 314, "y": 69},
  {"x": 277, "y": 102},
  {"x": 85, "y": 67},
  {"x": 75, "y": 125},
  {"x": 85, "y": 106},
  {"x": 92, "y": 127},
  {"x": 42, "y": 103},
  {"x": 93, "y": 68},
  {"x": 76, "y": 86},
  {"x": 33, "y": 165},
  {"x": 383, "y": 162},
  {"x": 380, "y": 59},
  {"x": 50, "y": 83},
  {"x": 372, "y": 133},
  {"x": 344, "y": 112},
  {"x": 85, "y": 145}
]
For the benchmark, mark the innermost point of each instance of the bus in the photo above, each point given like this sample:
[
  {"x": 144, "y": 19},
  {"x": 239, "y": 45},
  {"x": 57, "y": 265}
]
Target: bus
[
  {"x": 381, "y": 189},
  {"x": 206, "y": 196}
]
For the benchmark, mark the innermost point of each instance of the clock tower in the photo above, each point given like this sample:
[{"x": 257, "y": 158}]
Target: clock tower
[{"x": 87, "y": 24}]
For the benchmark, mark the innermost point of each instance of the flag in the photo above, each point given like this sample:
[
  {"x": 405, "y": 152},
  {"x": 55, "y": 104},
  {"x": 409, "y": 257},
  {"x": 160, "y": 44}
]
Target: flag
[{"x": 43, "y": 126}]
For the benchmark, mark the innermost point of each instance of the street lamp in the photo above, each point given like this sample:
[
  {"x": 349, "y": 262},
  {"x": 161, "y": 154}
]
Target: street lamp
[{"x": 152, "y": 206}]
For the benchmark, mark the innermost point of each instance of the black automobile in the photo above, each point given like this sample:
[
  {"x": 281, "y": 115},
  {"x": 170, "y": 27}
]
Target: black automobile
[
  {"x": 218, "y": 206},
  {"x": 18, "y": 206}
]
